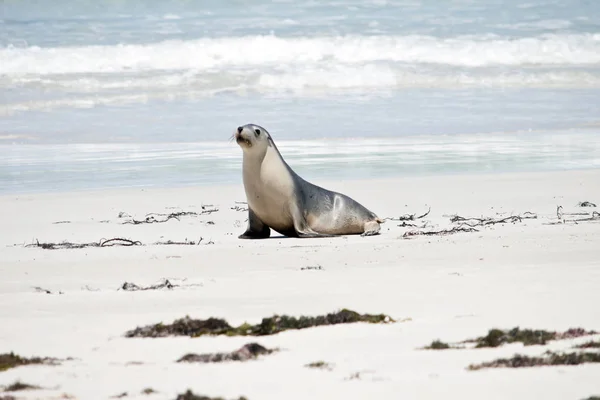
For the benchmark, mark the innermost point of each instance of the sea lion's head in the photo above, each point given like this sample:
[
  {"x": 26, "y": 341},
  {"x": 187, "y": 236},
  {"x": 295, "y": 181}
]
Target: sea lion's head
[{"x": 252, "y": 138}]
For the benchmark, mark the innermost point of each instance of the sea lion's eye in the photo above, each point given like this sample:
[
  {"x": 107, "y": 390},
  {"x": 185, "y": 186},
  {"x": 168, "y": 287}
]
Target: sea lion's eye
[{"x": 257, "y": 131}]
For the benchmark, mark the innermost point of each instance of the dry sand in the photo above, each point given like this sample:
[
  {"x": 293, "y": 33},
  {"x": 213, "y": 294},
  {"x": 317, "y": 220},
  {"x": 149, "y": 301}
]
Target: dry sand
[{"x": 533, "y": 274}]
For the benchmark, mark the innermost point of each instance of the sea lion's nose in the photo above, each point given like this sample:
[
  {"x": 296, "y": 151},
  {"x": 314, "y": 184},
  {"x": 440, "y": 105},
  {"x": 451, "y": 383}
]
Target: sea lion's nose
[{"x": 240, "y": 129}]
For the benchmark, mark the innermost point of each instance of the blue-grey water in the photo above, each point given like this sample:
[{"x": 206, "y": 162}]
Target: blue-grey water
[{"x": 117, "y": 93}]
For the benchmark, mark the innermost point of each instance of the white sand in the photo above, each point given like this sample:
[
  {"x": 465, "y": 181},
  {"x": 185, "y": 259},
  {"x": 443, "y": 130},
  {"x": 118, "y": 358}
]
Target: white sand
[{"x": 529, "y": 274}]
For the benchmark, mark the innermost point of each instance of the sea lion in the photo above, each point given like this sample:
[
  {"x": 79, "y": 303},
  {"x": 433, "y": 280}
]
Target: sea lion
[{"x": 281, "y": 200}]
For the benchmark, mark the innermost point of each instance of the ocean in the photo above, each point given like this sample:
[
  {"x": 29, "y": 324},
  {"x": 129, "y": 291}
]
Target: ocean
[{"x": 128, "y": 93}]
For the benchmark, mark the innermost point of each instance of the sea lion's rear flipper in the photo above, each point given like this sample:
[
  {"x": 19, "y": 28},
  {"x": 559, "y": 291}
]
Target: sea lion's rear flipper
[
  {"x": 371, "y": 228},
  {"x": 256, "y": 228}
]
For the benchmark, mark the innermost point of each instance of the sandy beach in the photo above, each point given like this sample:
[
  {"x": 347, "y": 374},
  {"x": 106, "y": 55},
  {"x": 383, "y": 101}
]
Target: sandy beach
[{"x": 537, "y": 273}]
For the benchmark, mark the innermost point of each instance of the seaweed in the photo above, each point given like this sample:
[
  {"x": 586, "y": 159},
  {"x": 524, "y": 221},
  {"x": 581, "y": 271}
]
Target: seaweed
[
  {"x": 528, "y": 337},
  {"x": 549, "y": 358},
  {"x": 560, "y": 216},
  {"x": 183, "y": 327},
  {"x": 269, "y": 326},
  {"x": 12, "y": 360},
  {"x": 472, "y": 222},
  {"x": 592, "y": 344},
  {"x": 319, "y": 365},
  {"x": 439, "y": 345},
  {"x": 408, "y": 217},
  {"x": 18, "y": 386},
  {"x": 100, "y": 243},
  {"x": 189, "y": 395},
  {"x": 312, "y": 267},
  {"x": 247, "y": 352},
  {"x": 586, "y": 204},
  {"x": 132, "y": 287},
  {"x": 152, "y": 218},
  {"x": 442, "y": 232},
  {"x": 46, "y": 291}
]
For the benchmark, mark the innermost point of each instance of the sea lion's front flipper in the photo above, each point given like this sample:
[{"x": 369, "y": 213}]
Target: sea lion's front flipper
[{"x": 256, "y": 228}]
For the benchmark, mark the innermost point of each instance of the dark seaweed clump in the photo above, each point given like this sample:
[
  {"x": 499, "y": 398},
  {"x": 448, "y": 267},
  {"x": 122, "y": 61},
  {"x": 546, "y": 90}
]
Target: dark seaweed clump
[
  {"x": 12, "y": 360},
  {"x": 548, "y": 359},
  {"x": 438, "y": 345},
  {"x": 589, "y": 345},
  {"x": 183, "y": 327},
  {"x": 189, "y": 395},
  {"x": 247, "y": 352},
  {"x": 319, "y": 365},
  {"x": 18, "y": 385},
  {"x": 269, "y": 326},
  {"x": 528, "y": 337}
]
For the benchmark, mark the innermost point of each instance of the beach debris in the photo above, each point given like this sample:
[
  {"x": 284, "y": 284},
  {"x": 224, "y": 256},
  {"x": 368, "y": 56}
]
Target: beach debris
[
  {"x": 110, "y": 243},
  {"x": 408, "y": 217},
  {"x": 12, "y": 360},
  {"x": 439, "y": 345},
  {"x": 119, "y": 396},
  {"x": 18, "y": 386},
  {"x": 238, "y": 207},
  {"x": 62, "y": 222},
  {"x": 405, "y": 224},
  {"x": 269, "y": 326},
  {"x": 353, "y": 377},
  {"x": 560, "y": 215},
  {"x": 152, "y": 218},
  {"x": 247, "y": 352},
  {"x": 46, "y": 291},
  {"x": 592, "y": 344},
  {"x": 132, "y": 287},
  {"x": 529, "y": 337},
  {"x": 320, "y": 365},
  {"x": 586, "y": 204},
  {"x": 549, "y": 358},
  {"x": 70, "y": 245},
  {"x": 442, "y": 232},
  {"x": 148, "y": 391},
  {"x": 313, "y": 268},
  {"x": 186, "y": 242},
  {"x": 189, "y": 395},
  {"x": 163, "y": 284},
  {"x": 472, "y": 222}
]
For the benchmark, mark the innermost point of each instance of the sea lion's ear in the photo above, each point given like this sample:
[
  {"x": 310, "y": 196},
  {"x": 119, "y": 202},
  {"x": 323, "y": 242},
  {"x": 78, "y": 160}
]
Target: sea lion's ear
[{"x": 270, "y": 142}]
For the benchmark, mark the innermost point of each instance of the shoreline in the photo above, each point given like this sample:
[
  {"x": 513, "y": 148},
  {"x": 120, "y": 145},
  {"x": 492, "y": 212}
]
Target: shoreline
[{"x": 229, "y": 184}]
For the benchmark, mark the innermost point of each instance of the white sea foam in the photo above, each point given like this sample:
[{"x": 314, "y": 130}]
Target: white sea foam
[
  {"x": 95, "y": 75},
  {"x": 257, "y": 51}
]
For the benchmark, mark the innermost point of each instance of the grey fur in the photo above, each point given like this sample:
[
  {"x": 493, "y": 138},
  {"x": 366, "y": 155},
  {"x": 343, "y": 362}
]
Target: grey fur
[{"x": 281, "y": 200}]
